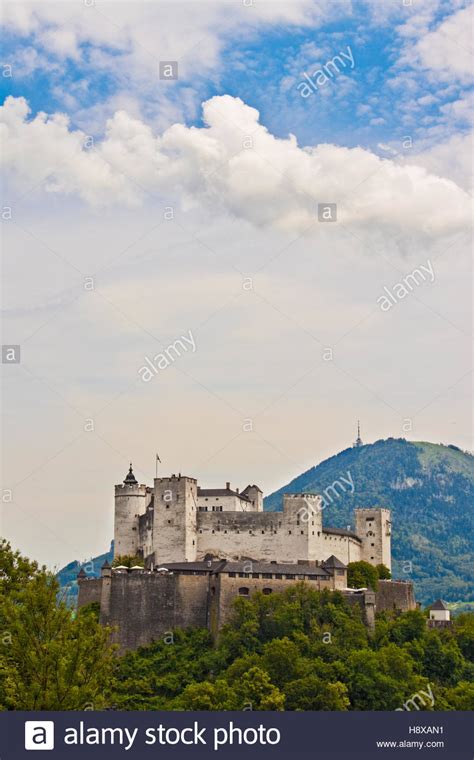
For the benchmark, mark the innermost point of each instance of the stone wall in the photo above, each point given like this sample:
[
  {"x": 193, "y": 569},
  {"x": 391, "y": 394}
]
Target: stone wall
[
  {"x": 395, "y": 595},
  {"x": 144, "y": 606},
  {"x": 90, "y": 590}
]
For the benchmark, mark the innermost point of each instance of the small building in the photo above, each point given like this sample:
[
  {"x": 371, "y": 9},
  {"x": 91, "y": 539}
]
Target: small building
[{"x": 439, "y": 615}]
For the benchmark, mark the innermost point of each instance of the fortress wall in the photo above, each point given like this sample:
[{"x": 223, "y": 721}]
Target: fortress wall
[
  {"x": 345, "y": 548},
  {"x": 145, "y": 606},
  {"x": 263, "y": 536},
  {"x": 237, "y": 534},
  {"x": 395, "y": 595},
  {"x": 229, "y": 590},
  {"x": 90, "y": 590}
]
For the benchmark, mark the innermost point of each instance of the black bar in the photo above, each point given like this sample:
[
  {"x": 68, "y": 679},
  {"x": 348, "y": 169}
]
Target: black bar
[{"x": 328, "y": 735}]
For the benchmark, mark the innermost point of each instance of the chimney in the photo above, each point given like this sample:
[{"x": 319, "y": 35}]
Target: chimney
[
  {"x": 227, "y": 485},
  {"x": 236, "y": 490}
]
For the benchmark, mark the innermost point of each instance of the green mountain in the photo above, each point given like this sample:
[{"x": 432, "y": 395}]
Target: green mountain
[
  {"x": 430, "y": 490},
  {"x": 67, "y": 576}
]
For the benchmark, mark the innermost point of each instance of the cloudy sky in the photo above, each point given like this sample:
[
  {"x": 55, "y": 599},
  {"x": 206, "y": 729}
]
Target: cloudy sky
[{"x": 139, "y": 209}]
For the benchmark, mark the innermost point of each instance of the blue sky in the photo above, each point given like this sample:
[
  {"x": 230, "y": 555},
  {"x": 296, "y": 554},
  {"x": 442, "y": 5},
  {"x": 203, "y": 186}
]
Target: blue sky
[{"x": 375, "y": 102}]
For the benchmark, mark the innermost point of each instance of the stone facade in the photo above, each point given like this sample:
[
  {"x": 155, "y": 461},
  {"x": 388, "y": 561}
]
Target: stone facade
[{"x": 178, "y": 521}]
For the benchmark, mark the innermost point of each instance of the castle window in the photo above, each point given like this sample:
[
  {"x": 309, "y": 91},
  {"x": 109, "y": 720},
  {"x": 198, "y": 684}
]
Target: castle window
[
  {"x": 225, "y": 531},
  {"x": 200, "y": 531},
  {"x": 312, "y": 532},
  {"x": 167, "y": 506},
  {"x": 289, "y": 532},
  {"x": 213, "y": 591},
  {"x": 263, "y": 531},
  {"x": 312, "y": 522},
  {"x": 169, "y": 522},
  {"x": 266, "y": 575},
  {"x": 193, "y": 542},
  {"x": 255, "y": 575},
  {"x": 267, "y": 591},
  {"x": 372, "y": 558},
  {"x": 302, "y": 532},
  {"x": 232, "y": 575},
  {"x": 206, "y": 499},
  {"x": 372, "y": 544},
  {"x": 319, "y": 532},
  {"x": 213, "y": 531},
  {"x": 289, "y": 576},
  {"x": 279, "y": 576},
  {"x": 297, "y": 522},
  {"x": 243, "y": 591}
]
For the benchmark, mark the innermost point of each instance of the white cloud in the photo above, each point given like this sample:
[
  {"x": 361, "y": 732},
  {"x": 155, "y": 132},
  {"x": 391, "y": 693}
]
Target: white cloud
[
  {"x": 274, "y": 182},
  {"x": 451, "y": 158},
  {"x": 447, "y": 50}
]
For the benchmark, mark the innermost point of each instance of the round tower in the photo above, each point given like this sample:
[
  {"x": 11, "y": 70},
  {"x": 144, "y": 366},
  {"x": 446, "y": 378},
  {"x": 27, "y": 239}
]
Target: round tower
[{"x": 130, "y": 503}]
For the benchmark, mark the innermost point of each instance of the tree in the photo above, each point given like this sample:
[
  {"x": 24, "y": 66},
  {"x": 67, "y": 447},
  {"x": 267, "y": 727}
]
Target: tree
[
  {"x": 128, "y": 560},
  {"x": 256, "y": 691},
  {"x": 207, "y": 696},
  {"x": 52, "y": 659},
  {"x": 362, "y": 575},
  {"x": 383, "y": 572},
  {"x": 312, "y": 693},
  {"x": 15, "y": 570}
]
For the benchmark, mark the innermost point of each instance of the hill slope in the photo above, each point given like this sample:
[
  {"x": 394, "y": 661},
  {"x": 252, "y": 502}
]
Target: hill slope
[
  {"x": 67, "y": 576},
  {"x": 430, "y": 490}
]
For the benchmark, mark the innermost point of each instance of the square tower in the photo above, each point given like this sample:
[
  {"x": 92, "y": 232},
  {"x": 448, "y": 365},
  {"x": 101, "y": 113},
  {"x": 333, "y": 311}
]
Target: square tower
[
  {"x": 374, "y": 528},
  {"x": 174, "y": 524}
]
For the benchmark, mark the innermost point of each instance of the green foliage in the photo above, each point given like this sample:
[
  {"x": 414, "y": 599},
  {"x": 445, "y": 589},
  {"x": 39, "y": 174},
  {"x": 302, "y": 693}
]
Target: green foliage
[
  {"x": 362, "y": 575},
  {"x": 300, "y": 650},
  {"x": 383, "y": 572},
  {"x": 128, "y": 560},
  {"x": 50, "y": 658}
]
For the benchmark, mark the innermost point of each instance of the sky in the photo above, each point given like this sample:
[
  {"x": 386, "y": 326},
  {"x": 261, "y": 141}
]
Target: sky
[{"x": 290, "y": 211}]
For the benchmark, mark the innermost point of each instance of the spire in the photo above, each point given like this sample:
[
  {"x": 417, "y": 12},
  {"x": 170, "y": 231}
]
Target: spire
[
  {"x": 358, "y": 439},
  {"x": 130, "y": 480}
]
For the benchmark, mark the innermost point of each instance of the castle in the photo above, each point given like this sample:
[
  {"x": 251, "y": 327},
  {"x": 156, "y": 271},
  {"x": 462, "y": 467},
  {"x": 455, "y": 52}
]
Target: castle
[
  {"x": 203, "y": 547},
  {"x": 177, "y": 521}
]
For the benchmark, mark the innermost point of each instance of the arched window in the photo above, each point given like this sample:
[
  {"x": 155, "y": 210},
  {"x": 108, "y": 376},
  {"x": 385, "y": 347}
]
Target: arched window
[
  {"x": 267, "y": 591},
  {"x": 243, "y": 591}
]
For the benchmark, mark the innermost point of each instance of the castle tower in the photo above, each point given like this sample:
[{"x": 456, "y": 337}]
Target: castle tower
[
  {"x": 130, "y": 503},
  {"x": 374, "y": 528},
  {"x": 174, "y": 527},
  {"x": 302, "y": 527}
]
